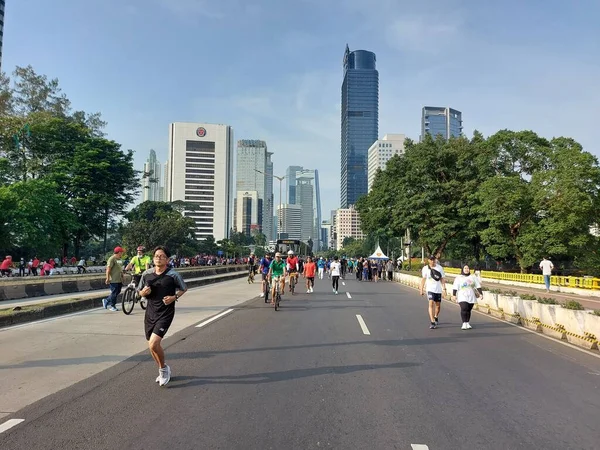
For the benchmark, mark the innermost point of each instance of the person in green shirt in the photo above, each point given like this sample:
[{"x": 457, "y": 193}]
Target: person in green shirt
[
  {"x": 140, "y": 263},
  {"x": 277, "y": 273},
  {"x": 114, "y": 277}
]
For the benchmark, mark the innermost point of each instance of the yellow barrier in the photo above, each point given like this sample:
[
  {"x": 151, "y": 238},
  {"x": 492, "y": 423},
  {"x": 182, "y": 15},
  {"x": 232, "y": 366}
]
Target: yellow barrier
[{"x": 573, "y": 282}]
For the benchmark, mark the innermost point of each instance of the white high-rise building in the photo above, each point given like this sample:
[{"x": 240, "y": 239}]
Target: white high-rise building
[
  {"x": 347, "y": 224},
  {"x": 152, "y": 188},
  {"x": 201, "y": 173},
  {"x": 307, "y": 194},
  {"x": 290, "y": 218},
  {"x": 268, "y": 222},
  {"x": 381, "y": 152},
  {"x": 326, "y": 236},
  {"x": 247, "y": 209}
]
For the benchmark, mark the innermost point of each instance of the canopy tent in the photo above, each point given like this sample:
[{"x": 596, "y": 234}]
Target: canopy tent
[{"x": 378, "y": 254}]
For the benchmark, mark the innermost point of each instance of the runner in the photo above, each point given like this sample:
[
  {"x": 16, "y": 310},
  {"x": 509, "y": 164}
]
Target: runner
[
  {"x": 162, "y": 286},
  {"x": 265, "y": 263},
  {"x": 277, "y": 273},
  {"x": 465, "y": 290},
  {"x": 433, "y": 278},
  {"x": 309, "y": 273},
  {"x": 321, "y": 266},
  {"x": 292, "y": 267},
  {"x": 335, "y": 270}
]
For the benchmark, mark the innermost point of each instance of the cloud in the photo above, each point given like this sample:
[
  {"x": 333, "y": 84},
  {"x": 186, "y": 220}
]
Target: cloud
[{"x": 422, "y": 33}]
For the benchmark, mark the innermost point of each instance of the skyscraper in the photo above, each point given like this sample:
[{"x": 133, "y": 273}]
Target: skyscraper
[
  {"x": 437, "y": 120},
  {"x": 360, "y": 122},
  {"x": 201, "y": 174},
  {"x": 308, "y": 195},
  {"x": 381, "y": 152},
  {"x": 151, "y": 179},
  {"x": 290, "y": 218},
  {"x": 268, "y": 222},
  {"x": 1, "y": 29},
  {"x": 290, "y": 183},
  {"x": 252, "y": 175}
]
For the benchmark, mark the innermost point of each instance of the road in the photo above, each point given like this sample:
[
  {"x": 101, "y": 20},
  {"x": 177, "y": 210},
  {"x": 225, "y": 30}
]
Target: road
[{"x": 360, "y": 370}]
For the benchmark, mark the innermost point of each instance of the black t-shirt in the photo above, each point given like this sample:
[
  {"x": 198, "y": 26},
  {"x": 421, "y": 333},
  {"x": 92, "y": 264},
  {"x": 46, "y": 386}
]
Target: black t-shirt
[{"x": 162, "y": 285}]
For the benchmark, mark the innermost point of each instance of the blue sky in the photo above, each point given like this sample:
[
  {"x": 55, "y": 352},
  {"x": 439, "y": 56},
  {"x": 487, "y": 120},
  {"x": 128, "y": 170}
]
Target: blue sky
[{"x": 273, "y": 68}]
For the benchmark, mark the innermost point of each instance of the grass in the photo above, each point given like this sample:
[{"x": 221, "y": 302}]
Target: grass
[
  {"x": 547, "y": 301},
  {"x": 596, "y": 312},
  {"x": 528, "y": 297},
  {"x": 572, "y": 304}
]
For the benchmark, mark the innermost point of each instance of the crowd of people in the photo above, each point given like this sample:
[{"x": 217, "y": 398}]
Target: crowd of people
[{"x": 39, "y": 267}]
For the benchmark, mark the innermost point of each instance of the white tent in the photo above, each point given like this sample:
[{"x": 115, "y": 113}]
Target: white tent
[{"x": 378, "y": 254}]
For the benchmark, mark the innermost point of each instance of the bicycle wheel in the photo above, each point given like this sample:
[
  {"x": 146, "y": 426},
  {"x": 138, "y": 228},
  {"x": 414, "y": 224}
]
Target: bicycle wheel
[
  {"x": 277, "y": 299},
  {"x": 128, "y": 300},
  {"x": 293, "y": 283},
  {"x": 143, "y": 303},
  {"x": 267, "y": 291}
]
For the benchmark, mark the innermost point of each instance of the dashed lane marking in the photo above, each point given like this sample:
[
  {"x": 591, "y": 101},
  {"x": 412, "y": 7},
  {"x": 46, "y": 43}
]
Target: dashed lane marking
[
  {"x": 348, "y": 295},
  {"x": 212, "y": 319},
  {"x": 419, "y": 447},
  {"x": 9, "y": 424},
  {"x": 363, "y": 325}
]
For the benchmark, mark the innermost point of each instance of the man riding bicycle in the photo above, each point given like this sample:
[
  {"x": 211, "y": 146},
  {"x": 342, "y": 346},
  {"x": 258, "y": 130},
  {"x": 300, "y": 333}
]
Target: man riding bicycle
[
  {"x": 265, "y": 264},
  {"x": 140, "y": 263},
  {"x": 277, "y": 273},
  {"x": 292, "y": 267}
]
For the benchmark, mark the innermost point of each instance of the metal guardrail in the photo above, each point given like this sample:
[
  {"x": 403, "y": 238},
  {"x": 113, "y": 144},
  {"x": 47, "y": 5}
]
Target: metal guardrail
[{"x": 555, "y": 280}]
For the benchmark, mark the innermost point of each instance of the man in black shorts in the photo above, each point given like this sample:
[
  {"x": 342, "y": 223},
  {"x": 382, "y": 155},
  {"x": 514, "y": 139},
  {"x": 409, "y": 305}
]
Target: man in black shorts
[
  {"x": 162, "y": 286},
  {"x": 433, "y": 282}
]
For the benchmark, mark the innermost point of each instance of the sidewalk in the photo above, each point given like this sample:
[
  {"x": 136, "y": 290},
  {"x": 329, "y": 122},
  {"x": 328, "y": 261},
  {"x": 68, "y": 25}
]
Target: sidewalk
[{"x": 41, "y": 358}]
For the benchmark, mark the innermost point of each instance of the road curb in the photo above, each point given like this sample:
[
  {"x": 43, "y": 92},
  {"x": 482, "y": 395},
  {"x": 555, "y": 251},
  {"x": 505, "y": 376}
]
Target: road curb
[{"x": 77, "y": 305}]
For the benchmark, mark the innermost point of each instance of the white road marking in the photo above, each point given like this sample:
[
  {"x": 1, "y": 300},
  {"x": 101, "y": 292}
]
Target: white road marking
[
  {"x": 348, "y": 295},
  {"x": 9, "y": 424},
  {"x": 419, "y": 447},
  {"x": 212, "y": 319},
  {"x": 343, "y": 284},
  {"x": 363, "y": 325}
]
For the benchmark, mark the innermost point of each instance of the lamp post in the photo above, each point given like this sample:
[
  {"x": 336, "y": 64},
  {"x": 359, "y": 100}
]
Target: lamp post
[{"x": 280, "y": 181}]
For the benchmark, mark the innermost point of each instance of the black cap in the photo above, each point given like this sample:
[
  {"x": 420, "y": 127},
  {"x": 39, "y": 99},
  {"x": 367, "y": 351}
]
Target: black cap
[{"x": 432, "y": 257}]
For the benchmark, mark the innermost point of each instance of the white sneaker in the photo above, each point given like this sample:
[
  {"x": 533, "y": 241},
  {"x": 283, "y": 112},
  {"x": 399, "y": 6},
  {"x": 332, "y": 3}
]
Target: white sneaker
[
  {"x": 464, "y": 326},
  {"x": 158, "y": 377},
  {"x": 312, "y": 290},
  {"x": 468, "y": 326},
  {"x": 262, "y": 294},
  {"x": 113, "y": 309},
  {"x": 165, "y": 376},
  {"x": 336, "y": 293}
]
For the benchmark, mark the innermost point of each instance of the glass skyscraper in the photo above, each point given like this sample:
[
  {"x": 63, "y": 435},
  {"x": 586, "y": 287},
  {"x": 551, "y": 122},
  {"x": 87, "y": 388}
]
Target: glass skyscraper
[
  {"x": 360, "y": 122},
  {"x": 1, "y": 28},
  {"x": 437, "y": 120}
]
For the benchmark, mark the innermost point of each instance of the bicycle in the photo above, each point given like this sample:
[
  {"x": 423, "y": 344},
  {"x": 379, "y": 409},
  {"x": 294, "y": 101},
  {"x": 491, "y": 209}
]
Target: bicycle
[
  {"x": 251, "y": 275},
  {"x": 130, "y": 297},
  {"x": 292, "y": 282},
  {"x": 267, "y": 290},
  {"x": 277, "y": 294}
]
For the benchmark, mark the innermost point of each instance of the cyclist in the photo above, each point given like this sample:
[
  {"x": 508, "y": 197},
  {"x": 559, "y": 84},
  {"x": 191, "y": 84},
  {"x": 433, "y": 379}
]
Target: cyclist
[
  {"x": 292, "y": 267},
  {"x": 265, "y": 264},
  {"x": 277, "y": 273},
  {"x": 251, "y": 264},
  {"x": 140, "y": 263}
]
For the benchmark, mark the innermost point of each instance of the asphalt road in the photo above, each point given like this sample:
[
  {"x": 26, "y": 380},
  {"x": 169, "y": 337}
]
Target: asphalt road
[{"x": 309, "y": 377}]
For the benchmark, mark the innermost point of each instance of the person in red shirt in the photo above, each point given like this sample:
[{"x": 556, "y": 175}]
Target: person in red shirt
[
  {"x": 5, "y": 267},
  {"x": 34, "y": 265},
  {"x": 292, "y": 267},
  {"x": 310, "y": 269}
]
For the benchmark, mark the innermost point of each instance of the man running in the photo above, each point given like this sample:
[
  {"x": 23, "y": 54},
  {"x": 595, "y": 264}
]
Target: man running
[
  {"x": 265, "y": 263},
  {"x": 335, "y": 269},
  {"x": 292, "y": 267},
  {"x": 310, "y": 269},
  {"x": 162, "y": 286},
  {"x": 433, "y": 278},
  {"x": 277, "y": 274}
]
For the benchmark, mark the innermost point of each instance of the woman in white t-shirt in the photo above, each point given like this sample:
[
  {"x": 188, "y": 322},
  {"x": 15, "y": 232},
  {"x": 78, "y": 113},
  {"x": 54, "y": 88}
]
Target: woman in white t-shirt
[
  {"x": 335, "y": 270},
  {"x": 465, "y": 290}
]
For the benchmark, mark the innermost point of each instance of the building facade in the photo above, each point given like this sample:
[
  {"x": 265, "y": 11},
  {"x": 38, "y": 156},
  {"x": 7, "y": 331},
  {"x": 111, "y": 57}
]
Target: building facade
[
  {"x": 152, "y": 187},
  {"x": 201, "y": 174},
  {"x": 326, "y": 236},
  {"x": 360, "y": 122},
  {"x": 439, "y": 120},
  {"x": 347, "y": 224},
  {"x": 2, "y": 5},
  {"x": 252, "y": 175},
  {"x": 290, "y": 221},
  {"x": 290, "y": 183},
  {"x": 247, "y": 211},
  {"x": 268, "y": 222},
  {"x": 308, "y": 195},
  {"x": 381, "y": 152}
]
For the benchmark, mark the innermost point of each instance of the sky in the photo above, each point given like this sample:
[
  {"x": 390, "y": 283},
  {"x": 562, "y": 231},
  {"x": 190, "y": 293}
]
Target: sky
[{"x": 272, "y": 69}]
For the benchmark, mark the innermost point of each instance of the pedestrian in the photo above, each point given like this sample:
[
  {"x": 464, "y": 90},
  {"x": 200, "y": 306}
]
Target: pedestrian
[
  {"x": 6, "y": 266},
  {"x": 465, "y": 290},
  {"x": 335, "y": 269},
  {"x": 365, "y": 271},
  {"x": 34, "y": 265},
  {"x": 434, "y": 281},
  {"x": 81, "y": 266},
  {"x": 380, "y": 270},
  {"x": 22, "y": 266},
  {"x": 546, "y": 266},
  {"x": 310, "y": 269},
  {"x": 389, "y": 267},
  {"x": 162, "y": 286},
  {"x": 114, "y": 278},
  {"x": 321, "y": 266}
]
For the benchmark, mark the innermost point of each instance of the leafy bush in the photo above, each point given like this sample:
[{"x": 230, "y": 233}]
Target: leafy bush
[
  {"x": 511, "y": 293},
  {"x": 495, "y": 291},
  {"x": 572, "y": 304},
  {"x": 528, "y": 297},
  {"x": 547, "y": 301},
  {"x": 596, "y": 312}
]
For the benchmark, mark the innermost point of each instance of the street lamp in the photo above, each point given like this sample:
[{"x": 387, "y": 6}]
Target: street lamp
[{"x": 280, "y": 181}]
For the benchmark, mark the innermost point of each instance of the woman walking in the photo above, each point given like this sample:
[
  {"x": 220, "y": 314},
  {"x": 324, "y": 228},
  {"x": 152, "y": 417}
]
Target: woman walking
[{"x": 465, "y": 290}]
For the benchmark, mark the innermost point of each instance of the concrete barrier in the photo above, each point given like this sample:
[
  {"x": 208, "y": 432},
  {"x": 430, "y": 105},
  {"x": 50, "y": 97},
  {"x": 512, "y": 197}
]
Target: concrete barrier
[
  {"x": 581, "y": 328},
  {"x": 44, "y": 311},
  {"x": 40, "y": 286}
]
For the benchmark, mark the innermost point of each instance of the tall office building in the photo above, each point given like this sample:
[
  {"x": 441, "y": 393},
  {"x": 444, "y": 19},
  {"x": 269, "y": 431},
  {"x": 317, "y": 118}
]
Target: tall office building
[
  {"x": 290, "y": 183},
  {"x": 290, "y": 218},
  {"x": 152, "y": 180},
  {"x": 252, "y": 175},
  {"x": 347, "y": 224},
  {"x": 268, "y": 223},
  {"x": 2, "y": 4},
  {"x": 381, "y": 152},
  {"x": 437, "y": 120},
  {"x": 360, "y": 122},
  {"x": 247, "y": 211},
  {"x": 326, "y": 236},
  {"x": 201, "y": 173},
  {"x": 308, "y": 195}
]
